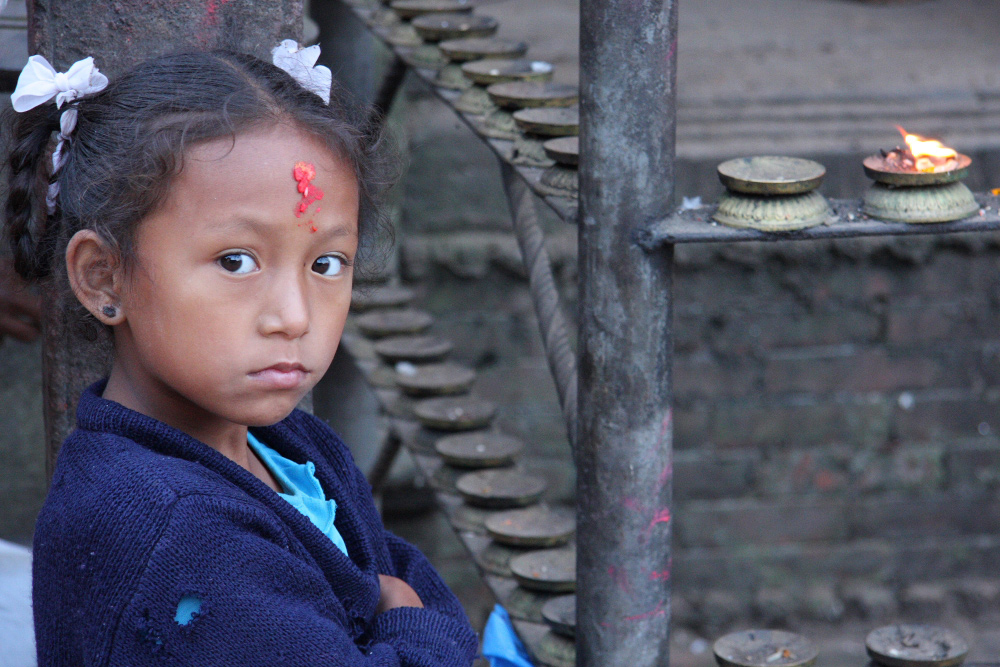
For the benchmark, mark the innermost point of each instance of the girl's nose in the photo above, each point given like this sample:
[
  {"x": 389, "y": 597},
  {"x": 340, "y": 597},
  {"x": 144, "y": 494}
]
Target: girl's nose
[{"x": 287, "y": 308}]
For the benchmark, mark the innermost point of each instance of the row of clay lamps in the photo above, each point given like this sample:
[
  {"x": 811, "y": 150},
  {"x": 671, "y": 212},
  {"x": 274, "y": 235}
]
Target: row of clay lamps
[
  {"x": 899, "y": 645},
  {"x": 516, "y": 100},
  {"x": 530, "y": 542},
  {"x": 417, "y": 26},
  {"x": 508, "y": 96}
]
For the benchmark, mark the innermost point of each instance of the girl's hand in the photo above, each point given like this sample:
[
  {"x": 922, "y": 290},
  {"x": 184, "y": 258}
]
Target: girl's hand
[{"x": 395, "y": 593}]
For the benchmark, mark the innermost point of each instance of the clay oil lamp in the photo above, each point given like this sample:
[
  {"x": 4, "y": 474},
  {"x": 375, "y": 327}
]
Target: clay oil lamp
[
  {"x": 483, "y": 73},
  {"x": 436, "y": 27},
  {"x": 772, "y": 193},
  {"x": 402, "y": 33},
  {"x": 513, "y": 95},
  {"x": 466, "y": 49},
  {"x": 557, "y": 646},
  {"x": 915, "y": 646},
  {"x": 441, "y": 27},
  {"x": 764, "y": 648},
  {"x": 556, "y": 651},
  {"x": 560, "y": 615},
  {"x": 562, "y": 178},
  {"x": 919, "y": 183},
  {"x": 386, "y": 23},
  {"x": 539, "y": 125},
  {"x": 411, "y": 9}
]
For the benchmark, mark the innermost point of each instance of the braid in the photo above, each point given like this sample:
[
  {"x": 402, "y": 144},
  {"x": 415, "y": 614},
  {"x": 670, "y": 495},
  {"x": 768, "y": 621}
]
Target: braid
[{"x": 29, "y": 229}]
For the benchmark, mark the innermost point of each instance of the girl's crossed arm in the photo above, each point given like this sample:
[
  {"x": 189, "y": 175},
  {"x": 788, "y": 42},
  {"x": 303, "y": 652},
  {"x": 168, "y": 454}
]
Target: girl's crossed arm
[{"x": 223, "y": 587}]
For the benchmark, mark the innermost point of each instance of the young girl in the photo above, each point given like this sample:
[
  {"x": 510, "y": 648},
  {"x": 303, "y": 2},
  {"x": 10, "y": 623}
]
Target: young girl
[{"x": 209, "y": 209}]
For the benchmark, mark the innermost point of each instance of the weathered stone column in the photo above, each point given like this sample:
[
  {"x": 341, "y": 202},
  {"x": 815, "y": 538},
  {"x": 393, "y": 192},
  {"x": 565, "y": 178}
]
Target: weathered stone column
[{"x": 118, "y": 35}]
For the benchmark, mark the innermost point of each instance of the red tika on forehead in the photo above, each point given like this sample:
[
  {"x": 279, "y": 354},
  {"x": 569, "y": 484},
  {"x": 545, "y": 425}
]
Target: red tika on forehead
[{"x": 304, "y": 173}]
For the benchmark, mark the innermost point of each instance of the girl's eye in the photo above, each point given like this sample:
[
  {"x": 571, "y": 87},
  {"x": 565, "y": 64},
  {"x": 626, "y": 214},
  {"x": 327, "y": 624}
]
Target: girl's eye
[
  {"x": 328, "y": 265},
  {"x": 238, "y": 262}
]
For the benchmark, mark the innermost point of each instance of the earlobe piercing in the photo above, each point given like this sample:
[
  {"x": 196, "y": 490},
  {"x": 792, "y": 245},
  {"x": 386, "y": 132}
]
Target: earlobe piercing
[{"x": 109, "y": 311}]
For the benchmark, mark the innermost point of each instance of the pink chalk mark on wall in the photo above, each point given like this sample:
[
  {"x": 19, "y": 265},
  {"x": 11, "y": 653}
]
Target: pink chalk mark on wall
[
  {"x": 656, "y": 612},
  {"x": 206, "y": 34},
  {"x": 653, "y": 613},
  {"x": 212, "y": 11},
  {"x": 668, "y": 470},
  {"x": 662, "y": 516},
  {"x": 665, "y": 474}
]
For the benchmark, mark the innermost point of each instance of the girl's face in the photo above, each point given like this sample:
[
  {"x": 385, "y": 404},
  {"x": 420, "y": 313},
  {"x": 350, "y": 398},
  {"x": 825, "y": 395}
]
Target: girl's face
[{"x": 237, "y": 299}]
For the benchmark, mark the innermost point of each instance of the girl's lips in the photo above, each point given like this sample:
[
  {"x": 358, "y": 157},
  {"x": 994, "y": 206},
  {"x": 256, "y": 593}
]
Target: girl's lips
[{"x": 281, "y": 376}]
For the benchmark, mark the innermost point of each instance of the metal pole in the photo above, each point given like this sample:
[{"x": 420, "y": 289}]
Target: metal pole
[
  {"x": 119, "y": 35},
  {"x": 624, "y": 468}
]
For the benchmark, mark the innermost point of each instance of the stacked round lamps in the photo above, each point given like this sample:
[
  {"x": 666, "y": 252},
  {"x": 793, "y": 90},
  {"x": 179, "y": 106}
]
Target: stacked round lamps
[
  {"x": 919, "y": 183},
  {"x": 483, "y": 73},
  {"x": 526, "y": 539},
  {"x": 466, "y": 49},
  {"x": 772, "y": 193},
  {"x": 434, "y": 28}
]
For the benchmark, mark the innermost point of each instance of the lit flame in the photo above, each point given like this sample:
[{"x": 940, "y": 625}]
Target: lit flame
[{"x": 927, "y": 153}]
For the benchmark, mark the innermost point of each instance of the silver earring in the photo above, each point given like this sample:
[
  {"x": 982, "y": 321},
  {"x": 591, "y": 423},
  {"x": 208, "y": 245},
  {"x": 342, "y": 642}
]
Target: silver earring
[{"x": 109, "y": 311}]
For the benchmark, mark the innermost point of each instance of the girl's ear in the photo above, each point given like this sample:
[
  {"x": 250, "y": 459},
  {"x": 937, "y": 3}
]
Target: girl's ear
[{"x": 94, "y": 274}]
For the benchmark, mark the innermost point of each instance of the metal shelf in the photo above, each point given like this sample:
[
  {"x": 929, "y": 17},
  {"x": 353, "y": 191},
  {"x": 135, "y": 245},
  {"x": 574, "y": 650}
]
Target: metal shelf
[{"x": 696, "y": 226}]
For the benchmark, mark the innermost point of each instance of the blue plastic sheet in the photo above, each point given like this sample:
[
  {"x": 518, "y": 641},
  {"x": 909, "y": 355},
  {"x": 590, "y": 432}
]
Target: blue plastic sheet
[{"x": 501, "y": 645}]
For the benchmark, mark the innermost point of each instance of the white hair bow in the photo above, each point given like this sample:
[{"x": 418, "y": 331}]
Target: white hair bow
[
  {"x": 39, "y": 82},
  {"x": 301, "y": 64}
]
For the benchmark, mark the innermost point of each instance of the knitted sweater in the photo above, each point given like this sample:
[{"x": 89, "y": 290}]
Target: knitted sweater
[{"x": 141, "y": 516}]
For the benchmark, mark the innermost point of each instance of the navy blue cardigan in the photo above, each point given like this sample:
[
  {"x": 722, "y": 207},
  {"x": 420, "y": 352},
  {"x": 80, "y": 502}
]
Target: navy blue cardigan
[{"x": 141, "y": 515}]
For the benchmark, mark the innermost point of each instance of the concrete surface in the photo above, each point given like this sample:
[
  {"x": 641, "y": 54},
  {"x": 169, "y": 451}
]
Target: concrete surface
[
  {"x": 22, "y": 440},
  {"x": 17, "y": 638},
  {"x": 808, "y": 74}
]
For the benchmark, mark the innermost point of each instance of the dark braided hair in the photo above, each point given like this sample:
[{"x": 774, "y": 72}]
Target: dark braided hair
[{"x": 130, "y": 140}]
